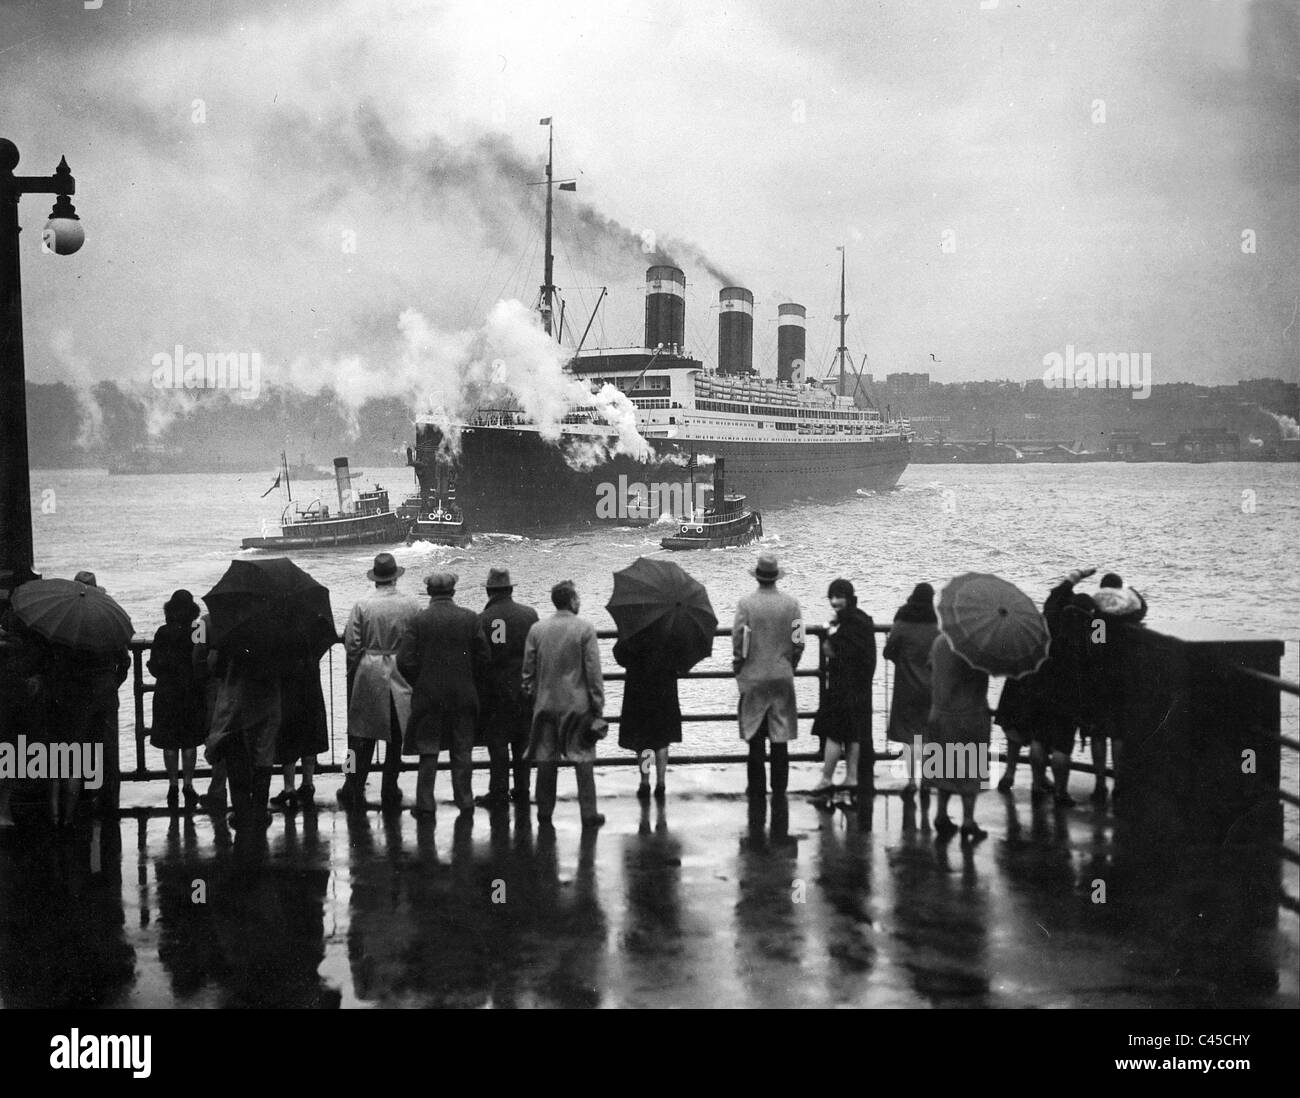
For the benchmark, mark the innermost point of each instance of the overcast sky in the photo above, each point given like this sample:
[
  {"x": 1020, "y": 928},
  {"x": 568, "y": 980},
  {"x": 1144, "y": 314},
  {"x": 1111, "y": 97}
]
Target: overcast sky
[{"x": 1095, "y": 166}]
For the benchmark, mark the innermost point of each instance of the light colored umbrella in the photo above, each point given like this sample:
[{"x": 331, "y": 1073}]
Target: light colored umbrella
[
  {"x": 73, "y": 614},
  {"x": 993, "y": 625}
]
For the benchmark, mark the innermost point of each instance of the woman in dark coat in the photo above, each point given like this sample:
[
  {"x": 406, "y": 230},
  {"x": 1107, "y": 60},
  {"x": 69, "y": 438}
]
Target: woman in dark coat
[
  {"x": 910, "y": 639},
  {"x": 651, "y": 717},
  {"x": 844, "y": 717},
  {"x": 179, "y": 709},
  {"x": 304, "y": 731}
]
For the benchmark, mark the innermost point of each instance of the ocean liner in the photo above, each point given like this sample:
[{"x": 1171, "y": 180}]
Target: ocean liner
[{"x": 782, "y": 438}]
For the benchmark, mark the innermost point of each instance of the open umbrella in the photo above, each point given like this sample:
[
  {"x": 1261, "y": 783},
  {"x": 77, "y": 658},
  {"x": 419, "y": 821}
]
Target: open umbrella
[
  {"x": 73, "y": 614},
  {"x": 270, "y": 606},
  {"x": 993, "y": 625},
  {"x": 657, "y": 595}
]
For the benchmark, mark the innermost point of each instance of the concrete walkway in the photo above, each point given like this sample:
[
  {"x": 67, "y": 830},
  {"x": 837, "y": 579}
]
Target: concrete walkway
[{"x": 703, "y": 902}]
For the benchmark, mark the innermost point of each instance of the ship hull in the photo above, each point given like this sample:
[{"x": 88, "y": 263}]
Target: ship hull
[{"x": 511, "y": 481}]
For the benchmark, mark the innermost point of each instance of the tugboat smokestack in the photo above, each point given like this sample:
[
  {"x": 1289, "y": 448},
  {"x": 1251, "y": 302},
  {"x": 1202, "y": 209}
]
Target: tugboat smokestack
[
  {"x": 665, "y": 307},
  {"x": 344, "y": 482},
  {"x": 735, "y": 331},
  {"x": 791, "y": 339}
]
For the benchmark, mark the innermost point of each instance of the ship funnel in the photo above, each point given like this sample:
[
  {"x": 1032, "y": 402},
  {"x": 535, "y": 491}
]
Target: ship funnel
[
  {"x": 665, "y": 307},
  {"x": 344, "y": 482},
  {"x": 791, "y": 339},
  {"x": 735, "y": 331}
]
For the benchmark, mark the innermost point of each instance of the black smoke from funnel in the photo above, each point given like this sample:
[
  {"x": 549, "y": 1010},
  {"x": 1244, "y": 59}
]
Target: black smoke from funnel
[{"x": 492, "y": 174}]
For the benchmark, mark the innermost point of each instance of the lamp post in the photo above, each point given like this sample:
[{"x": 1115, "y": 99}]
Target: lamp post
[{"x": 62, "y": 234}]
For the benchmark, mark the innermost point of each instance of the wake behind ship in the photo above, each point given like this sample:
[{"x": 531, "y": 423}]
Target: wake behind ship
[{"x": 782, "y": 439}]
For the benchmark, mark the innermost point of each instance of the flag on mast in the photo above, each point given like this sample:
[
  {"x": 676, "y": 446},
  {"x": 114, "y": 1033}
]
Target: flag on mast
[
  {"x": 272, "y": 488},
  {"x": 570, "y": 186},
  {"x": 544, "y": 122}
]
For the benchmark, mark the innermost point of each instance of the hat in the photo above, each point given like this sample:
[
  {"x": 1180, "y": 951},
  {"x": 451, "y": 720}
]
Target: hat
[
  {"x": 766, "y": 569},
  {"x": 498, "y": 579},
  {"x": 88, "y": 578},
  {"x": 182, "y": 605},
  {"x": 385, "y": 569},
  {"x": 840, "y": 588},
  {"x": 441, "y": 583},
  {"x": 922, "y": 593},
  {"x": 1110, "y": 579}
]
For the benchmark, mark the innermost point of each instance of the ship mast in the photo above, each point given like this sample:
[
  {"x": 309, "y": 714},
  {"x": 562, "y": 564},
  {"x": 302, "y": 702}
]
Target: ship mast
[
  {"x": 548, "y": 286},
  {"x": 546, "y": 301},
  {"x": 842, "y": 351}
]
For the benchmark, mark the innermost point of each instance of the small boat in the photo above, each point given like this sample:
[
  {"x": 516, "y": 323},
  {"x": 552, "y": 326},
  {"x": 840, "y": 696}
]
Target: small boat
[
  {"x": 303, "y": 470},
  {"x": 362, "y": 519},
  {"x": 727, "y": 521},
  {"x": 431, "y": 514}
]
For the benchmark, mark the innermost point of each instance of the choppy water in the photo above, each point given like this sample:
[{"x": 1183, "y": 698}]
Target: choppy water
[{"x": 1215, "y": 542}]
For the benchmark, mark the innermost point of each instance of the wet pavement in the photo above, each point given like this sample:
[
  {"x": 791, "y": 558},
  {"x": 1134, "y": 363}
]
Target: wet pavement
[{"x": 701, "y": 902}]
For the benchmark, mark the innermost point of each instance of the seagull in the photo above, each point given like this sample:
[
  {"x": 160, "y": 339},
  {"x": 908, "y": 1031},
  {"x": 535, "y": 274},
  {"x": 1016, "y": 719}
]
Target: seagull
[{"x": 933, "y": 359}]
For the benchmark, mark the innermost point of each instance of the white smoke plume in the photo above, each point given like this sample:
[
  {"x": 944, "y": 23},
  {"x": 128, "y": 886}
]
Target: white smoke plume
[{"x": 1288, "y": 426}]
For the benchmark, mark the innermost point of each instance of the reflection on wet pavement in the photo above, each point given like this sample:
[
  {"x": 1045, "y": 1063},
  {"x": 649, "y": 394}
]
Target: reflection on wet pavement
[{"x": 705, "y": 901}]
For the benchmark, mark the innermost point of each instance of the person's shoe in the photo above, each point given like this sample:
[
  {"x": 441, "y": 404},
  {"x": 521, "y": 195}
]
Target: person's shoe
[
  {"x": 191, "y": 796},
  {"x": 390, "y": 800},
  {"x": 1064, "y": 800},
  {"x": 519, "y": 795},
  {"x": 972, "y": 833},
  {"x": 424, "y": 813},
  {"x": 284, "y": 799},
  {"x": 643, "y": 791},
  {"x": 1099, "y": 795},
  {"x": 944, "y": 827},
  {"x": 467, "y": 809},
  {"x": 660, "y": 792},
  {"x": 306, "y": 795},
  {"x": 348, "y": 799},
  {"x": 213, "y": 802},
  {"x": 593, "y": 821},
  {"x": 909, "y": 790},
  {"x": 173, "y": 798},
  {"x": 1004, "y": 786},
  {"x": 491, "y": 800},
  {"x": 822, "y": 789}
]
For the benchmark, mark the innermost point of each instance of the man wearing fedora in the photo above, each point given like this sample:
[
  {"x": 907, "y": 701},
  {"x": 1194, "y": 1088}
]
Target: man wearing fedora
[
  {"x": 444, "y": 656},
  {"x": 507, "y": 711},
  {"x": 767, "y": 641},
  {"x": 379, "y": 698},
  {"x": 562, "y": 674}
]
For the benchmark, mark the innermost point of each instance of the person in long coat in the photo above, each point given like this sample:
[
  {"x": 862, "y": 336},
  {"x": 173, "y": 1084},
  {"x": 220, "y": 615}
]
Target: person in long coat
[
  {"x": 844, "y": 716},
  {"x": 767, "y": 641},
  {"x": 444, "y": 656},
  {"x": 959, "y": 732},
  {"x": 304, "y": 728},
  {"x": 379, "y": 697},
  {"x": 179, "y": 712},
  {"x": 651, "y": 718},
  {"x": 910, "y": 638},
  {"x": 1055, "y": 690},
  {"x": 507, "y": 711},
  {"x": 244, "y": 728},
  {"x": 562, "y": 674},
  {"x": 1108, "y": 675}
]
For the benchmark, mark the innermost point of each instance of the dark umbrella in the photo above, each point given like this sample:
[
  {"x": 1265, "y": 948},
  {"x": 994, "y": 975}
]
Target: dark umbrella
[
  {"x": 657, "y": 595},
  {"x": 72, "y": 614},
  {"x": 270, "y": 606}
]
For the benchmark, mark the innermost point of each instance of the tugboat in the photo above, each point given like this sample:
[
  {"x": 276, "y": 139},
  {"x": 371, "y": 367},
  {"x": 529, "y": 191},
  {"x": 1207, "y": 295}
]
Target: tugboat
[
  {"x": 727, "y": 522},
  {"x": 366, "y": 519},
  {"x": 432, "y": 513}
]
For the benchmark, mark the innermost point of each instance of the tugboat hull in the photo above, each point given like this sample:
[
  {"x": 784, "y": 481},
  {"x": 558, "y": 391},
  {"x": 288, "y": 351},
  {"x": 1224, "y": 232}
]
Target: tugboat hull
[
  {"x": 381, "y": 529},
  {"x": 702, "y": 536}
]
